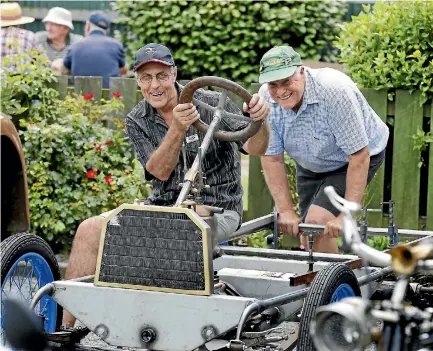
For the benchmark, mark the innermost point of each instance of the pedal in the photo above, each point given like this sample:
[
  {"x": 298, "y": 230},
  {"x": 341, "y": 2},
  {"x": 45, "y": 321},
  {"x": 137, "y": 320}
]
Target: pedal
[{"x": 68, "y": 335}]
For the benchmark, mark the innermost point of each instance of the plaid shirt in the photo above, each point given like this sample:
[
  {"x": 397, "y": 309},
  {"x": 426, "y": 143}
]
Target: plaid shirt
[
  {"x": 14, "y": 41},
  {"x": 221, "y": 165},
  {"x": 334, "y": 121}
]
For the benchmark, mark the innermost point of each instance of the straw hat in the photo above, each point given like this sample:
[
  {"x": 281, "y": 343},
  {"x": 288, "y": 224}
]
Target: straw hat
[
  {"x": 11, "y": 15},
  {"x": 59, "y": 15}
]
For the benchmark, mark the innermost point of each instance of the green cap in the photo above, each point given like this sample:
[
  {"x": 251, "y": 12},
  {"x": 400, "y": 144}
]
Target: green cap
[{"x": 278, "y": 63}]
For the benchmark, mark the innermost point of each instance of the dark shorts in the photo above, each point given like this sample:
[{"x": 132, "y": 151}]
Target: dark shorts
[{"x": 310, "y": 185}]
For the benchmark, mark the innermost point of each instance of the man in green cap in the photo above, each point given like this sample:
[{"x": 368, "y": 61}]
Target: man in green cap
[{"x": 323, "y": 122}]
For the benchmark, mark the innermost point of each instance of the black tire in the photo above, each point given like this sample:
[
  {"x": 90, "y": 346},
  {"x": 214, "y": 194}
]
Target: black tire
[
  {"x": 20, "y": 244},
  {"x": 320, "y": 293}
]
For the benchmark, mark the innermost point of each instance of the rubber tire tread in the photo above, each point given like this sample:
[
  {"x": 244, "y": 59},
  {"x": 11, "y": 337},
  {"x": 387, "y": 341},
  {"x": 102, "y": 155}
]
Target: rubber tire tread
[
  {"x": 321, "y": 290},
  {"x": 20, "y": 244}
]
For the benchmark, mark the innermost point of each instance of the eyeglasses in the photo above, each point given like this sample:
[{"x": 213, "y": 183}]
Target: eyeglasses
[{"x": 160, "y": 77}]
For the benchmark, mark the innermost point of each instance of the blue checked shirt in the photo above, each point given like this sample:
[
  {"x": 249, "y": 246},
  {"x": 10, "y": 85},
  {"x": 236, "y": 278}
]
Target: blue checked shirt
[{"x": 334, "y": 121}]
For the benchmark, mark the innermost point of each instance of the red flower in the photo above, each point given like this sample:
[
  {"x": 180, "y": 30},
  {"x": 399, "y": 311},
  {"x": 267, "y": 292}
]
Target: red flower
[
  {"x": 94, "y": 144},
  {"x": 117, "y": 94},
  {"x": 91, "y": 174},
  {"x": 108, "y": 142},
  {"x": 99, "y": 148},
  {"x": 108, "y": 179},
  {"x": 88, "y": 96}
]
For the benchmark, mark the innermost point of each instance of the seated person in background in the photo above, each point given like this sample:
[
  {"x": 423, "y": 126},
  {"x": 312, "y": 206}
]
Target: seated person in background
[
  {"x": 14, "y": 39},
  {"x": 96, "y": 55},
  {"x": 157, "y": 127},
  {"x": 57, "y": 38}
]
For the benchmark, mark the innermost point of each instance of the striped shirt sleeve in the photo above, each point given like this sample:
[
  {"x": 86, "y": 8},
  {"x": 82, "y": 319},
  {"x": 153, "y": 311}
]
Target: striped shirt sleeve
[{"x": 141, "y": 144}]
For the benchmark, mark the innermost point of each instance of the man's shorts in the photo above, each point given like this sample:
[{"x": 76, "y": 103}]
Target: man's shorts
[
  {"x": 226, "y": 224},
  {"x": 310, "y": 186}
]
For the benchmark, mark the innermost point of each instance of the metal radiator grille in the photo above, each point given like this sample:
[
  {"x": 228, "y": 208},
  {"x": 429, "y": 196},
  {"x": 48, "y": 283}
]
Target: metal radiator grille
[{"x": 153, "y": 249}]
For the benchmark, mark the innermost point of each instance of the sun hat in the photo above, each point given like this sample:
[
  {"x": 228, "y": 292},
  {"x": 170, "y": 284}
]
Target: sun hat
[
  {"x": 59, "y": 15},
  {"x": 278, "y": 63},
  {"x": 11, "y": 15},
  {"x": 153, "y": 53}
]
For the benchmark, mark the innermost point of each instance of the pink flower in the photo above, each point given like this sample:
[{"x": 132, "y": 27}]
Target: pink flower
[
  {"x": 99, "y": 147},
  {"x": 108, "y": 179},
  {"x": 108, "y": 142},
  {"x": 117, "y": 95},
  {"x": 88, "y": 96},
  {"x": 91, "y": 174}
]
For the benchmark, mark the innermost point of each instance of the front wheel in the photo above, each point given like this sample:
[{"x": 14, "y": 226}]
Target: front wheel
[
  {"x": 27, "y": 264},
  {"x": 331, "y": 284}
]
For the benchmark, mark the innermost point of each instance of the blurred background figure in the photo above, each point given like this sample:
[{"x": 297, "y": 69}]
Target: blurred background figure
[
  {"x": 97, "y": 54},
  {"x": 14, "y": 39},
  {"x": 57, "y": 38}
]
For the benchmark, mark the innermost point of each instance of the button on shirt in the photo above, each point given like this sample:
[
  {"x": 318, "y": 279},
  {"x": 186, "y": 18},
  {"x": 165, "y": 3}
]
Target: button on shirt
[
  {"x": 96, "y": 55},
  {"x": 334, "y": 121},
  {"x": 221, "y": 164}
]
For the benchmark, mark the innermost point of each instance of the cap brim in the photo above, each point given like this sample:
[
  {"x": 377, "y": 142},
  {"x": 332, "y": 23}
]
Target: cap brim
[
  {"x": 281, "y": 73},
  {"x": 22, "y": 20},
  {"x": 148, "y": 61}
]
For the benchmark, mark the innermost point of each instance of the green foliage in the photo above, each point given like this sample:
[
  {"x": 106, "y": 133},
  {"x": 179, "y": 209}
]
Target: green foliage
[
  {"x": 421, "y": 140},
  {"x": 28, "y": 81},
  {"x": 77, "y": 167},
  {"x": 390, "y": 46},
  {"x": 291, "y": 177},
  {"x": 227, "y": 38}
]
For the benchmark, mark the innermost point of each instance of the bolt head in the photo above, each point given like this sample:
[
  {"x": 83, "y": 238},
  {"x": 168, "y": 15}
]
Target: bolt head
[{"x": 148, "y": 335}]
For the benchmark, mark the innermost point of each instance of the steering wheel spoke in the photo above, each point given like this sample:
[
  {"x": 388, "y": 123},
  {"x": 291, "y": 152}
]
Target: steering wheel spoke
[
  {"x": 204, "y": 105},
  {"x": 239, "y": 135},
  {"x": 238, "y": 117}
]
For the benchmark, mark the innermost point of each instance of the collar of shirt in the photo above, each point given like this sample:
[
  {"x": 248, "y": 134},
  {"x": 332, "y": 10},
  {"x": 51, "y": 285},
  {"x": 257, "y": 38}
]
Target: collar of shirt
[
  {"x": 67, "y": 42},
  {"x": 95, "y": 32},
  {"x": 310, "y": 96}
]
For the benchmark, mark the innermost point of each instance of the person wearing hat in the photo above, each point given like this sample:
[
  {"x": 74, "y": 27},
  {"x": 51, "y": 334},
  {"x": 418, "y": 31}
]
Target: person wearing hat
[
  {"x": 57, "y": 38},
  {"x": 14, "y": 39},
  {"x": 98, "y": 54},
  {"x": 158, "y": 128},
  {"x": 323, "y": 122}
]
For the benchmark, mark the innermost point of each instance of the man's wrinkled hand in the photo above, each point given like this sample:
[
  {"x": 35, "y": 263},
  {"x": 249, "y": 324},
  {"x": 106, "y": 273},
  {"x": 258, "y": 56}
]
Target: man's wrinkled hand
[
  {"x": 334, "y": 227},
  {"x": 288, "y": 223},
  {"x": 184, "y": 115},
  {"x": 258, "y": 108}
]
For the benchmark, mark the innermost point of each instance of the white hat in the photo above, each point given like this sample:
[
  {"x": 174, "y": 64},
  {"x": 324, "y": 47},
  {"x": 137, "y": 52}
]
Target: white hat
[
  {"x": 11, "y": 15},
  {"x": 59, "y": 15}
]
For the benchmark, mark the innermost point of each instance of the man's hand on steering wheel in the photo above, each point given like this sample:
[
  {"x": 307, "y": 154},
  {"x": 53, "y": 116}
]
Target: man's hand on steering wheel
[
  {"x": 184, "y": 115},
  {"x": 258, "y": 108}
]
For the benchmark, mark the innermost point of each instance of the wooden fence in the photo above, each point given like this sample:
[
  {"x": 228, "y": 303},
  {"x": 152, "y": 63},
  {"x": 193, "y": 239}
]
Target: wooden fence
[{"x": 399, "y": 179}]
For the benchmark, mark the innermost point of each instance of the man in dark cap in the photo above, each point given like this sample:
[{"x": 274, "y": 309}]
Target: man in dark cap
[
  {"x": 158, "y": 127},
  {"x": 96, "y": 55}
]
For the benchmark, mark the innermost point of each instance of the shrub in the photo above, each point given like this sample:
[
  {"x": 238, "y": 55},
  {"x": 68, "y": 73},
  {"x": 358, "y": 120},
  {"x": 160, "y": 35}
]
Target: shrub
[
  {"x": 28, "y": 83},
  {"x": 77, "y": 167},
  {"x": 227, "y": 38},
  {"x": 390, "y": 46}
]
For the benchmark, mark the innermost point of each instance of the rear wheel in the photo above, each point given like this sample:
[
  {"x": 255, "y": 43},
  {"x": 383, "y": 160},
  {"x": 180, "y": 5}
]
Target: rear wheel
[
  {"x": 27, "y": 264},
  {"x": 331, "y": 284}
]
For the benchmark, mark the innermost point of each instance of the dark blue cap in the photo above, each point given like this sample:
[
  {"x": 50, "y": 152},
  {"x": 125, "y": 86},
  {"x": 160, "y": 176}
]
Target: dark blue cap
[
  {"x": 100, "y": 19},
  {"x": 153, "y": 53}
]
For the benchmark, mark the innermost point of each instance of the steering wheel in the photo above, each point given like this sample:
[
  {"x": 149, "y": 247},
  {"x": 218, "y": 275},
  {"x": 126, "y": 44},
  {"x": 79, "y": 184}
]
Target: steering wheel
[{"x": 241, "y": 135}]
